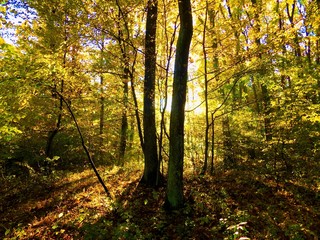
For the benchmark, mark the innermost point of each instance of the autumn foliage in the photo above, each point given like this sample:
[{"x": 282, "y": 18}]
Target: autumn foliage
[{"x": 250, "y": 126}]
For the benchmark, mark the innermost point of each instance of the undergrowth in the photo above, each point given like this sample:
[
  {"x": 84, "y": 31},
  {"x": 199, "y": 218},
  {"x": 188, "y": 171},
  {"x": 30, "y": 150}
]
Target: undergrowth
[{"x": 233, "y": 204}]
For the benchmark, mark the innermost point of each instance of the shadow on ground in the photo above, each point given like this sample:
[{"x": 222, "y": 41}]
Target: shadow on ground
[
  {"x": 233, "y": 205},
  {"x": 230, "y": 205}
]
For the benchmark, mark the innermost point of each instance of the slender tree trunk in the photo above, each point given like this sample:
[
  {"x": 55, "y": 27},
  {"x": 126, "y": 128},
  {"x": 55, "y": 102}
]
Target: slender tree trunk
[
  {"x": 204, "y": 50},
  {"x": 296, "y": 46},
  {"x": 164, "y": 97},
  {"x": 266, "y": 111},
  {"x": 317, "y": 60},
  {"x": 229, "y": 159},
  {"x": 255, "y": 94},
  {"x": 212, "y": 168},
  {"x": 174, "y": 192},
  {"x": 126, "y": 72},
  {"x": 101, "y": 125},
  {"x": 136, "y": 107},
  {"x": 266, "y": 104},
  {"x": 135, "y": 101},
  {"x": 149, "y": 121},
  {"x": 124, "y": 123},
  {"x": 54, "y": 132},
  {"x": 102, "y": 108},
  {"x": 212, "y": 16},
  {"x": 131, "y": 132},
  {"x": 84, "y": 145}
]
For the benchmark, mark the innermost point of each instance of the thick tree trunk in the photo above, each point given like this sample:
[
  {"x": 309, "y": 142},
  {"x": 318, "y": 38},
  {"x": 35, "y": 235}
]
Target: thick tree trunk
[
  {"x": 174, "y": 193},
  {"x": 149, "y": 121}
]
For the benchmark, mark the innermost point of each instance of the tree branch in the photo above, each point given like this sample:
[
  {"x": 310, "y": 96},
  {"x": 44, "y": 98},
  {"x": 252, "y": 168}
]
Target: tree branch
[{"x": 83, "y": 144}]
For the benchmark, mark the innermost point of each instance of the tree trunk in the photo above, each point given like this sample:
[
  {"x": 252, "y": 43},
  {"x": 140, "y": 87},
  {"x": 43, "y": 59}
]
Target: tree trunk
[
  {"x": 164, "y": 95},
  {"x": 136, "y": 111},
  {"x": 126, "y": 72},
  {"x": 206, "y": 139},
  {"x": 54, "y": 132},
  {"x": 101, "y": 124},
  {"x": 84, "y": 145},
  {"x": 229, "y": 159},
  {"x": 266, "y": 105},
  {"x": 317, "y": 60},
  {"x": 149, "y": 121},
  {"x": 124, "y": 122},
  {"x": 51, "y": 136},
  {"x": 296, "y": 46},
  {"x": 266, "y": 111},
  {"x": 212, "y": 168},
  {"x": 174, "y": 193}
]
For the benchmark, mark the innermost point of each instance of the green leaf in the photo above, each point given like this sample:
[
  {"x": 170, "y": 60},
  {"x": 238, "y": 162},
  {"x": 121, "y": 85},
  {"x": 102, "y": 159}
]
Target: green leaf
[
  {"x": 7, "y": 232},
  {"x": 55, "y": 158},
  {"x": 55, "y": 226}
]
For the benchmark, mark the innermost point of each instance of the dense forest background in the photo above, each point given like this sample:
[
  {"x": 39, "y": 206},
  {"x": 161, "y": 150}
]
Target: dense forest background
[{"x": 97, "y": 84}]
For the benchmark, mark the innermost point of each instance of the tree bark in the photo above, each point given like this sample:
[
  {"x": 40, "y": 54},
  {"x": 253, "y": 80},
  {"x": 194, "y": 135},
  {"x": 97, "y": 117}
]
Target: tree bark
[
  {"x": 149, "y": 121},
  {"x": 174, "y": 192}
]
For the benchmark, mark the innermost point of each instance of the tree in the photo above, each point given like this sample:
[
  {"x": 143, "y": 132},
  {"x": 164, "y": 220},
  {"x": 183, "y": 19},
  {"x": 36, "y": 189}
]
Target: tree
[
  {"x": 205, "y": 58},
  {"x": 174, "y": 192},
  {"x": 165, "y": 53},
  {"x": 151, "y": 169},
  {"x": 122, "y": 40}
]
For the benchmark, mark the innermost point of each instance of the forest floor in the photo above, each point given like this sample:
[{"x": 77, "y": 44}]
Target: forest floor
[{"x": 234, "y": 204}]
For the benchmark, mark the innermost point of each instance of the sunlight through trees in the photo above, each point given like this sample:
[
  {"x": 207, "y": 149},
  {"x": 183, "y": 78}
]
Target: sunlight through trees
[{"x": 178, "y": 89}]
